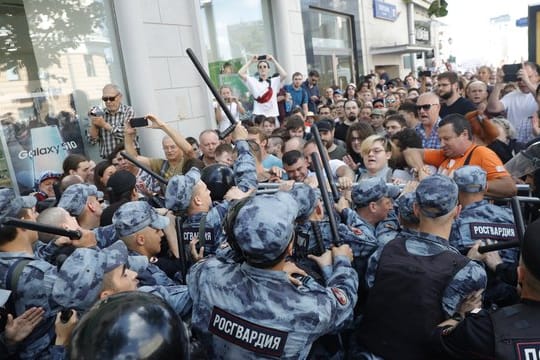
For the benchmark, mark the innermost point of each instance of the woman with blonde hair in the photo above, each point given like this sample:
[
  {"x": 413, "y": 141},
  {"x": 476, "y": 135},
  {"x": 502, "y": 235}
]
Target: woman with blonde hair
[{"x": 376, "y": 151}]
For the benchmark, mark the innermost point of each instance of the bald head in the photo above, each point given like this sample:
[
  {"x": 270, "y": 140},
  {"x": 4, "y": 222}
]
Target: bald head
[{"x": 428, "y": 107}]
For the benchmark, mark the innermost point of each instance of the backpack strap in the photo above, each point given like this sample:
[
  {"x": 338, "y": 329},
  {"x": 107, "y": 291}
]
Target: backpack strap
[
  {"x": 468, "y": 159},
  {"x": 14, "y": 273}
]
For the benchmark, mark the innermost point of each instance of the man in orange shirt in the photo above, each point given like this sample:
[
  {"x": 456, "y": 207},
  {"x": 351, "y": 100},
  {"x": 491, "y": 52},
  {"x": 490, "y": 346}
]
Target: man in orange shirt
[{"x": 457, "y": 149}]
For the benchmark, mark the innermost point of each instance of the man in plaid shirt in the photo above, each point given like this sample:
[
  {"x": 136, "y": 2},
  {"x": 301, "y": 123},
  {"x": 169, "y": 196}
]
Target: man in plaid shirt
[{"x": 108, "y": 129}]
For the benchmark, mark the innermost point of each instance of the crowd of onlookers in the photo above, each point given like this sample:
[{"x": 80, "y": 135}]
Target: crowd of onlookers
[{"x": 415, "y": 162}]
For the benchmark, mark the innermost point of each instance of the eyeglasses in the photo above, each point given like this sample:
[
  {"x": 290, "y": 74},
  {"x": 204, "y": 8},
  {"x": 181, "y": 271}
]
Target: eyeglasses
[
  {"x": 424, "y": 107},
  {"x": 109, "y": 98}
]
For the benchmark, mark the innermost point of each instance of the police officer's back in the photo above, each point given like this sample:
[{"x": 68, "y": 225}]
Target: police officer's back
[
  {"x": 511, "y": 332},
  {"x": 250, "y": 310},
  {"x": 417, "y": 280}
]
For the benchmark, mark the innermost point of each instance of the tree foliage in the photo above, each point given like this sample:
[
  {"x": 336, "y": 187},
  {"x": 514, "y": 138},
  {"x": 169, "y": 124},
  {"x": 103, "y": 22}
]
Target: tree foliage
[{"x": 45, "y": 29}]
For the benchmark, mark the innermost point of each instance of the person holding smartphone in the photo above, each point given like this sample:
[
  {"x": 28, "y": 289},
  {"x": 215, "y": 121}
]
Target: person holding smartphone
[
  {"x": 235, "y": 108},
  {"x": 265, "y": 87},
  {"x": 107, "y": 126},
  {"x": 520, "y": 105},
  {"x": 175, "y": 147}
]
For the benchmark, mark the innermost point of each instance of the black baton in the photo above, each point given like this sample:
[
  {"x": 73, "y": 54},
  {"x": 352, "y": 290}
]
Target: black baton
[
  {"x": 214, "y": 91},
  {"x": 143, "y": 167},
  {"x": 326, "y": 199},
  {"x": 325, "y": 163},
  {"x": 31, "y": 225}
]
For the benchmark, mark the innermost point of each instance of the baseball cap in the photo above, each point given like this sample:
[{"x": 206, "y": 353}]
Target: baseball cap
[
  {"x": 180, "y": 189},
  {"x": 306, "y": 197},
  {"x": 75, "y": 196},
  {"x": 264, "y": 226},
  {"x": 405, "y": 207},
  {"x": 470, "y": 178},
  {"x": 338, "y": 91},
  {"x": 134, "y": 216},
  {"x": 372, "y": 189},
  {"x": 436, "y": 195},
  {"x": 49, "y": 174},
  {"x": 11, "y": 204},
  {"x": 325, "y": 125},
  {"x": 121, "y": 182},
  {"x": 80, "y": 278},
  {"x": 374, "y": 101},
  {"x": 379, "y": 112}
]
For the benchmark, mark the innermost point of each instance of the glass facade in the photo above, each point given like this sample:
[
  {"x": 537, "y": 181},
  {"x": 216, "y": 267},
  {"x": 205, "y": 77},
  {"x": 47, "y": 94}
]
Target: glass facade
[
  {"x": 55, "y": 57},
  {"x": 332, "y": 45},
  {"x": 233, "y": 32},
  {"x": 331, "y": 41}
]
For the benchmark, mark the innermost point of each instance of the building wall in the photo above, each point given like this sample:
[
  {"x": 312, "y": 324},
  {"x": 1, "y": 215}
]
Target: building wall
[{"x": 161, "y": 79}]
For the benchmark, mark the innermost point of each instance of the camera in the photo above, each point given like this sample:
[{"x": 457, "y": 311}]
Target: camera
[
  {"x": 96, "y": 111},
  {"x": 261, "y": 57}
]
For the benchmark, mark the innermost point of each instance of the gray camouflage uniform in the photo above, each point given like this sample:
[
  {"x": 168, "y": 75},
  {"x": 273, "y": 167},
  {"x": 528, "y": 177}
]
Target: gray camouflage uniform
[{"x": 242, "y": 311}]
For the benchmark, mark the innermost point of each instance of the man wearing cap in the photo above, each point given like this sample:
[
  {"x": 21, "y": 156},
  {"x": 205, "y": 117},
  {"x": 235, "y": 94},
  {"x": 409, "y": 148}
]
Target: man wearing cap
[
  {"x": 45, "y": 184},
  {"x": 377, "y": 120},
  {"x": 417, "y": 280},
  {"x": 106, "y": 273},
  {"x": 457, "y": 149},
  {"x": 336, "y": 148},
  {"x": 140, "y": 227},
  {"x": 81, "y": 201},
  {"x": 480, "y": 220},
  {"x": 189, "y": 196},
  {"x": 508, "y": 333},
  {"x": 250, "y": 310},
  {"x": 372, "y": 200},
  {"x": 30, "y": 278}
]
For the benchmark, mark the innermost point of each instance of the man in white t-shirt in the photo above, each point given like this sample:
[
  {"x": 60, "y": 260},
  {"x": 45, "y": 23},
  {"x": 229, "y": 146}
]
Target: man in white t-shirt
[
  {"x": 520, "y": 105},
  {"x": 265, "y": 88}
]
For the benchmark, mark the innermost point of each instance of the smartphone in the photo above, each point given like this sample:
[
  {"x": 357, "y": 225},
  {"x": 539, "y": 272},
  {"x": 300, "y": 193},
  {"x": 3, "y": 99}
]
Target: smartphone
[
  {"x": 138, "y": 122},
  {"x": 261, "y": 57},
  {"x": 510, "y": 72}
]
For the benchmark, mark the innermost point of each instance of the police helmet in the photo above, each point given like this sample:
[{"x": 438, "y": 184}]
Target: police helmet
[
  {"x": 219, "y": 178},
  {"x": 130, "y": 325}
]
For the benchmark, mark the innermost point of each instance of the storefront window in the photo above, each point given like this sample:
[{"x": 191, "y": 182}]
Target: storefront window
[
  {"x": 55, "y": 57},
  {"x": 330, "y": 35},
  {"x": 233, "y": 32}
]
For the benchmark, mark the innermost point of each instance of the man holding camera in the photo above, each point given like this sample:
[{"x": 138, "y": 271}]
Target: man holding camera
[
  {"x": 107, "y": 126},
  {"x": 265, "y": 88},
  {"x": 520, "y": 104}
]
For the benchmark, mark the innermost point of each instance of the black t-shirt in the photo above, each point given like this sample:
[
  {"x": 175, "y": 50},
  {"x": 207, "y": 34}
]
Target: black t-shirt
[
  {"x": 461, "y": 106},
  {"x": 340, "y": 131}
]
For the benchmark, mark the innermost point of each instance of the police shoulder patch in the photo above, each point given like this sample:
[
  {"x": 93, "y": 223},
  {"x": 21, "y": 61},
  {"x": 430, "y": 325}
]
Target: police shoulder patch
[{"x": 340, "y": 296}]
